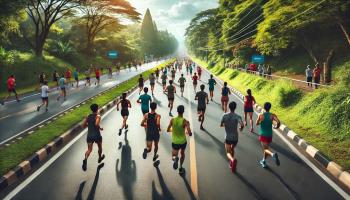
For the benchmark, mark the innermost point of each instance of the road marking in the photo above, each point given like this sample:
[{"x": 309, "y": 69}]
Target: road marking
[{"x": 47, "y": 164}]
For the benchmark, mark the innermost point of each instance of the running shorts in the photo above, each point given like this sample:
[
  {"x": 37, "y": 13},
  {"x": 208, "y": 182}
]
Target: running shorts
[
  {"x": 63, "y": 88},
  {"x": 171, "y": 98},
  {"x": 144, "y": 111},
  {"x": 140, "y": 85},
  {"x": 11, "y": 90},
  {"x": 182, "y": 86},
  {"x": 150, "y": 137},
  {"x": 224, "y": 99},
  {"x": 152, "y": 84},
  {"x": 45, "y": 98},
  {"x": 229, "y": 142},
  {"x": 265, "y": 139},
  {"x": 179, "y": 146},
  {"x": 201, "y": 109},
  {"x": 97, "y": 77},
  {"x": 94, "y": 139},
  {"x": 211, "y": 88},
  {"x": 248, "y": 110},
  {"x": 124, "y": 113}
]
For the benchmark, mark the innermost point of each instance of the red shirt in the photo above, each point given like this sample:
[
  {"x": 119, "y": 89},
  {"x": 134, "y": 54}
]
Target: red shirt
[
  {"x": 68, "y": 74},
  {"x": 317, "y": 72},
  {"x": 199, "y": 70},
  {"x": 195, "y": 78},
  {"x": 97, "y": 73},
  {"x": 11, "y": 83},
  {"x": 248, "y": 102}
]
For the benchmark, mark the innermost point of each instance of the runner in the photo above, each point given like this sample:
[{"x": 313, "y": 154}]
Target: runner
[
  {"x": 203, "y": 99},
  {"x": 195, "y": 81},
  {"x": 187, "y": 68},
  {"x": 145, "y": 100},
  {"x": 42, "y": 78},
  {"x": 118, "y": 68},
  {"x": 265, "y": 121},
  {"x": 129, "y": 66},
  {"x": 249, "y": 101},
  {"x": 141, "y": 84},
  {"x": 92, "y": 121},
  {"x": 230, "y": 121},
  {"x": 44, "y": 96},
  {"x": 125, "y": 103},
  {"x": 157, "y": 74},
  {"x": 151, "y": 122},
  {"x": 76, "y": 77},
  {"x": 152, "y": 81},
  {"x": 225, "y": 91},
  {"x": 211, "y": 83},
  {"x": 164, "y": 78},
  {"x": 191, "y": 69},
  {"x": 199, "y": 70},
  {"x": 182, "y": 81},
  {"x": 11, "y": 88},
  {"x": 87, "y": 77},
  {"x": 55, "y": 77},
  {"x": 173, "y": 73},
  {"x": 170, "y": 91},
  {"x": 97, "y": 75},
  {"x": 110, "y": 72},
  {"x": 62, "y": 84},
  {"x": 68, "y": 75},
  {"x": 179, "y": 126}
]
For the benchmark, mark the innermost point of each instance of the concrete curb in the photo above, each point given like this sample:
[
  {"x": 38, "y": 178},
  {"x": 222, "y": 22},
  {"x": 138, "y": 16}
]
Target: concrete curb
[
  {"x": 333, "y": 168},
  {"x": 41, "y": 155}
]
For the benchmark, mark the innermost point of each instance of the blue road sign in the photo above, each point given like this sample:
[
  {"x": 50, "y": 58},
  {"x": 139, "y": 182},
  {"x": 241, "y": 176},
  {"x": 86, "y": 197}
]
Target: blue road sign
[
  {"x": 260, "y": 59},
  {"x": 112, "y": 54}
]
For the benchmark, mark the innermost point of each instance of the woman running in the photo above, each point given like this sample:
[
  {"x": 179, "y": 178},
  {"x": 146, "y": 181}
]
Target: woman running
[
  {"x": 224, "y": 97},
  {"x": 195, "y": 81},
  {"x": 125, "y": 103},
  {"x": 249, "y": 101}
]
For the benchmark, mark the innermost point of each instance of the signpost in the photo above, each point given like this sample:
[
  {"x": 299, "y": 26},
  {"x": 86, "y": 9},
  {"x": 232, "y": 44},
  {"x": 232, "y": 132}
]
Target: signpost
[
  {"x": 259, "y": 59},
  {"x": 112, "y": 54}
]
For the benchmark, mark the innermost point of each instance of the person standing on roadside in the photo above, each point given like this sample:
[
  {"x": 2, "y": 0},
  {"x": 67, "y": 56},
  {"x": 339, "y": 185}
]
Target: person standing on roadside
[
  {"x": 11, "y": 88},
  {"x": 317, "y": 75},
  {"x": 44, "y": 96},
  {"x": 68, "y": 75},
  {"x": 308, "y": 74},
  {"x": 98, "y": 76},
  {"x": 88, "y": 77}
]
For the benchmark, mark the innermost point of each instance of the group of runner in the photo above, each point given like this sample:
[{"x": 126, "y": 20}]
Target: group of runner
[{"x": 178, "y": 126}]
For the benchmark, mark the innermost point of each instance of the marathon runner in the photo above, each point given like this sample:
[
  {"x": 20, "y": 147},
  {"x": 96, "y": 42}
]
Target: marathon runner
[
  {"x": 182, "y": 81},
  {"x": 110, "y": 72},
  {"x": 125, "y": 103},
  {"x": 265, "y": 121},
  {"x": 157, "y": 74},
  {"x": 11, "y": 88},
  {"x": 179, "y": 126},
  {"x": 170, "y": 91},
  {"x": 203, "y": 99},
  {"x": 187, "y": 68},
  {"x": 92, "y": 121},
  {"x": 225, "y": 91},
  {"x": 211, "y": 83},
  {"x": 164, "y": 78},
  {"x": 152, "y": 81},
  {"x": 76, "y": 77},
  {"x": 173, "y": 73},
  {"x": 151, "y": 122},
  {"x": 191, "y": 70},
  {"x": 42, "y": 78},
  {"x": 44, "y": 96},
  {"x": 195, "y": 81},
  {"x": 55, "y": 77},
  {"x": 62, "y": 84},
  {"x": 141, "y": 84},
  {"x": 97, "y": 75},
  {"x": 68, "y": 76},
  {"x": 145, "y": 100},
  {"x": 87, "y": 77},
  {"x": 230, "y": 121},
  {"x": 249, "y": 101},
  {"x": 199, "y": 70}
]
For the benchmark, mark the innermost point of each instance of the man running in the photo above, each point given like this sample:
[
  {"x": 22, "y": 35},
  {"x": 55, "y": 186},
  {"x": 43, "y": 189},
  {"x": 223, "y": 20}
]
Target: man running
[
  {"x": 42, "y": 78},
  {"x": 110, "y": 72},
  {"x": 225, "y": 91},
  {"x": 62, "y": 84},
  {"x": 152, "y": 81},
  {"x": 199, "y": 70},
  {"x": 211, "y": 83},
  {"x": 125, "y": 103},
  {"x": 230, "y": 121},
  {"x": 203, "y": 99},
  {"x": 87, "y": 77},
  {"x": 195, "y": 81},
  {"x": 157, "y": 74},
  {"x": 68, "y": 75},
  {"x": 164, "y": 78},
  {"x": 170, "y": 91},
  {"x": 191, "y": 69},
  {"x": 97, "y": 75},
  {"x": 265, "y": 121},
  {"x": 44, "y": 96},
  {"x": 182, "y": 81},
  {"x": 141, "y": 84},
  {"x": 11, "y": 88},
  {"x": 249, "y": 102},
  {"x": 92, "y": 121},
  {"x": 55, "y": 77},
  {"x": 76, "y": 77},
  {"x": 179, "y": 127},
  {"x": 151, "y": 122},
  {"x": 145, "y": 100},
  {"x": 173, "y": 73}
]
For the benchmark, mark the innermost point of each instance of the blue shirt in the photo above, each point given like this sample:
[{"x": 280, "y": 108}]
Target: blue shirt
[
  {"x": 145, "y": 101},
  {"x": 62, "y": 82}
]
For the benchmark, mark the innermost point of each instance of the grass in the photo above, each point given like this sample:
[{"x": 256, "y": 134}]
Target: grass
[
  {"x": 12, "y": 155},
  {"x": 321, "y": 117}
]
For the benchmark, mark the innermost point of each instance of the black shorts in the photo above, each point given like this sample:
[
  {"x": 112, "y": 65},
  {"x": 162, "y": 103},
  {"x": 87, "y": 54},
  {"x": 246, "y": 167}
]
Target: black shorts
[
  {"x": 94, "y": 139},
  {"x": 164, "y": 83},
  {"x": 150, "y": 137},
  {"x": 140, "y": 85},
  {"x": 76, "y": 79},
  {"x": 98, "y": 78},
  {"x": 229, "y": 142},
  {"x": 171, "y": 98},
  {"x": 182, "y": 86},
  {"x": 309, "y": 79},
  {"x": 87, "y": 78},
  {"x": 201, "y": 109},
  {"x": 247, "y": 110},
  {"x": 179, "y": 146},
  {"x": 12, "y": 90},
  {"x": 124, "y": 113},
  {"x": 152, "y": 84},
  {"x": 45, "y": 98},
  {"x": 145, "y": 111}
]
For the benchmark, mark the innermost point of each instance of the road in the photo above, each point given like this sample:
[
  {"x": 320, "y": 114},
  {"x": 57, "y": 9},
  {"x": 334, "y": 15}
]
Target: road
[
  {"x": 126, "y": 175},
  {"x": 24, "y": 113}
]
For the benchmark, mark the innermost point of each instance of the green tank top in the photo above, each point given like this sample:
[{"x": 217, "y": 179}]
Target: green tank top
[
  {"x": 266, "y": 125},
  {"x": 178, "y": 134}
]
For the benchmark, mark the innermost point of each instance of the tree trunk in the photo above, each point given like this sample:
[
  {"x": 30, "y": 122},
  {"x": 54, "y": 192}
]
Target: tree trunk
[
  {"x": 344, "y": 31},
  {"x": 327, "y": 67}
]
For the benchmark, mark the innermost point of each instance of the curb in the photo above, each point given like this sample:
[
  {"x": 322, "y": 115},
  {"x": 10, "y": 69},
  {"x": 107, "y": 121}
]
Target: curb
[{"x": 333, "y": 168}]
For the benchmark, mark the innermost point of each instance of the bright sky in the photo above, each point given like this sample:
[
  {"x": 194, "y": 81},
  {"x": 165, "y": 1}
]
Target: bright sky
[{"x": 173, "y": 15}]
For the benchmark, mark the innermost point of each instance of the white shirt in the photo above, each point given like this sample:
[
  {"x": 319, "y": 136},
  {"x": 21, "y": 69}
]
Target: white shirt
[{"x": 44, "y": 91}]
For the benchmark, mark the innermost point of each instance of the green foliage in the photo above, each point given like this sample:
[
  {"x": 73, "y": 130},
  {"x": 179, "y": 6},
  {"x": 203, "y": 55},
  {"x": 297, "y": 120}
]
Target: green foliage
[{"x": 7, "y": 57}]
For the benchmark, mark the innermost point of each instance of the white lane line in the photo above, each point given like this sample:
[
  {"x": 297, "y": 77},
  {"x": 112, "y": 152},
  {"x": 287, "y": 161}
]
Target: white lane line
[
  {"x": 300, "y": 155},
  {"x": 47, "y": 164}
]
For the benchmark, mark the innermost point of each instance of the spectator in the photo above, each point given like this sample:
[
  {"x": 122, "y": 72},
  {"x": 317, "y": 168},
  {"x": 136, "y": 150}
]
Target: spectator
[
  {"x": 55, "y": 77},
  {"x": 260, "y": 70},
  {"x": 308, "y": 74},
  {"x": 317, "y": 75},
  {"x": 41, "y": 79},
  {"x": 68, "y": 75},
  {"x": 269, "y": 72},
  {"x": 246, "y": 67}
]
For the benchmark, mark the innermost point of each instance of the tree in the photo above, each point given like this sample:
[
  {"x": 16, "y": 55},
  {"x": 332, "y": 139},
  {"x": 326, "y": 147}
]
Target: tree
[
  {"x": 101, "y": 14},
  {"x": 44, "y": 13},
  {"x": 149, "y": 34}
]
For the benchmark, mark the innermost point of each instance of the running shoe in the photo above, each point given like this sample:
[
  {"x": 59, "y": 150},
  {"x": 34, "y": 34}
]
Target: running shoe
[
  {"x": 155, "y": 157},
  {"x": 120, "y": 132},
  {"x": 126, "y": 126},
  {"x": 38, "y": 108},
  {"x": 101, "y": 158},
  {"x": 181, "y": 171},
  {"x": 263, "y": 163},
  {"x": 176, "y": 162},
  {"x": 170, "y": 114},
  {"x": 202, "y": 128},
  {"x": 277, "y": 160},
  {"x": 156, "y": 163},
  {"x": 46, "y": 110},
  {"x": 233, "y": 165},
  {"x": 84, "y": 166},
  {"x": 144, "y": 155}
]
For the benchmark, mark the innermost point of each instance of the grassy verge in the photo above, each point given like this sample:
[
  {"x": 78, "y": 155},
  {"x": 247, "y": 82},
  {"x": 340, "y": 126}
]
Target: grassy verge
[
  {"x": 321, "y": 117},
  {"x": 16, "y": 153}
]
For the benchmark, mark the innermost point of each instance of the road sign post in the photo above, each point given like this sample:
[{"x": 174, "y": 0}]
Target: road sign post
[{"x": 259, "y": 59}]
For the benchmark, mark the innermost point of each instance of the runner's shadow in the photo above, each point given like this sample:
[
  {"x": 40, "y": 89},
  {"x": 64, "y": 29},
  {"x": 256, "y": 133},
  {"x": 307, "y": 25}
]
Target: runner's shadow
[
  {"x": 188, "y": 101},
  {"x": 251, "y": 187},
  {"x": 94, "y": 184},
  {"x": 159, "y": 103},
  {"x": 126, "y": 175},
  {"x": 80, "y": 191},
  {"x": 286, "y": 153},
  {"x": 188, "y": 187},
  {"x": 286, "y": 186},
  {"x": 166, "y": 194},
  {"x": 219, "y": 143}
]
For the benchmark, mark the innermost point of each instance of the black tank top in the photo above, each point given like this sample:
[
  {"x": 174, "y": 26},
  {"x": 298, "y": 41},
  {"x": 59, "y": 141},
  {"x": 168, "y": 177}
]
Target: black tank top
[
  {"x": 152, "y": 124},
  {"x": 93, "y": 130},
  {"x": 125, "y": 104}
]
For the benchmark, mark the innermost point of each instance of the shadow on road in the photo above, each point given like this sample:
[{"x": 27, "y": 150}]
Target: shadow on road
[
  {"x": 166, "y": 194},
  {"x": 251, "y": 187},
  {"x": 126, "y": 175},
  {"x": 293, "y": 193},
  {"x": 80, "y": 191},
  {"x": 94, "y": 184},
  {"x": 188, "y": 187}
]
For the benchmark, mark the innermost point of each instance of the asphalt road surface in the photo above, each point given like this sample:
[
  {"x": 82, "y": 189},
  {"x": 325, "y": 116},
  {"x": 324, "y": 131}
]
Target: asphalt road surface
[
  {"x": 24, "y": 113},
  {"x": 126, "y": 175}
]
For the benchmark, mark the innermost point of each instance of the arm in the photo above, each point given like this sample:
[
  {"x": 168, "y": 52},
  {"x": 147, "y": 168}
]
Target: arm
[
  {"x": 222, "y": 122},
  {"x": 241, "y": 123},
  {"x": 85, "y": 123},
  {"x": 258, "y": 120},
  {"x": 119, "y": 101},
  {"x": 196, "y": 98},
  {"x": 138, "y": 100},
  {"x": 170, "y": 126},
  {"x": 129, "y": 104},
  {"x": 187, "y": 127},
  {"x": 143, "y": 122},
  {"x": 158, "y": 122},
  {"x": 97, "y": 123},
  {"x": 275, "y": 118}
]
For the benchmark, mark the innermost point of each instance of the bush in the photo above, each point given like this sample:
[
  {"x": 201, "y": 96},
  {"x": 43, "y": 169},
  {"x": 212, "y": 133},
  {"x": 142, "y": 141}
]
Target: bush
[{"x": 7, "y": 57}]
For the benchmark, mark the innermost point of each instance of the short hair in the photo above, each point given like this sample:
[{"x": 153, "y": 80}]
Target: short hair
[
  {"x": 182, "y": 74},
  {"x": 202, "y": 87},
  {"x": 267, "y": 106},
  {"x": 232, "y": 106},
  {"x": 171, "y": 82},
  {"x": 180, "y": 109},
  {"x": 225, "y": 84},
  {"x": 124, "y": 95},
  {"x": 45, "y": 82},
  {"x": 94, "y": 107},
  {"x": 145, "y": 89},
  {"x": 153, "y": 105}
]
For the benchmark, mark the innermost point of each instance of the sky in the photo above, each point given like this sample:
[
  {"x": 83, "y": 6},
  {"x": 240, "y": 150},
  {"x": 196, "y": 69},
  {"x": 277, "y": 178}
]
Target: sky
[{"x": 173, "y": 15}]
